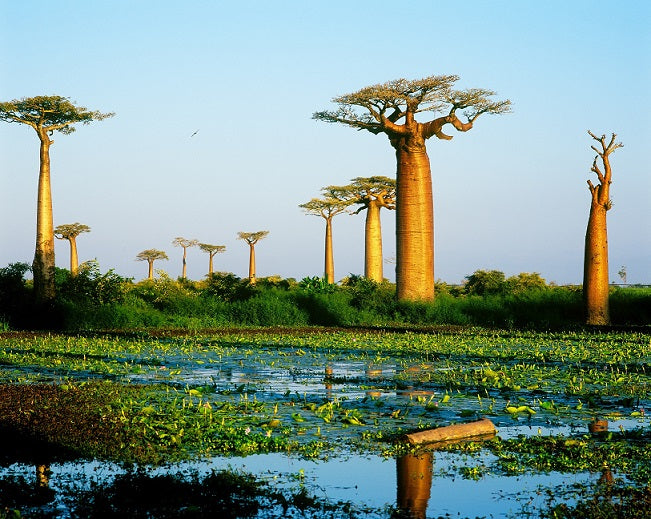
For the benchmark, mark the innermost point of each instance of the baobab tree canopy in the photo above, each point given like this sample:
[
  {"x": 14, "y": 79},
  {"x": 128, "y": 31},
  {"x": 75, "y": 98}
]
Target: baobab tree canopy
[
  {"x": 70, "y": 230},
  {"x": 252, "y": 237},
  {"x": 50, "y": 113},
  {"x": 392, "y": 108}
]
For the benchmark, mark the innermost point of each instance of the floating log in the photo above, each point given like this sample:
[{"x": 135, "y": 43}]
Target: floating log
[{"x": 483, "y": 429}]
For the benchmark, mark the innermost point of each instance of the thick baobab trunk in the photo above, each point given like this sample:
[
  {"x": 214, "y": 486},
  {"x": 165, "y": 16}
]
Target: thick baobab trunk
[
  {"x": 74, "y": 260},
  {"x": 414, "y": 225},
  {"x": 151, "y": 269},
  {"x": 329, "y": 270},
  {"x": 43, "y": 265},
  {"x": 373, "y": 243},
  {"x": 185, "y": 264},
  {"x": 595, "y": 268},
  {"x": 252, "y": 263},
  {"x": 210, "y": 268}
]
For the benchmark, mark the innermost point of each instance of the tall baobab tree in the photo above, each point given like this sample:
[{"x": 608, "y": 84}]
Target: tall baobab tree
[
  {"x": 185, "y": 244},
  {"x": 327, "y": 208},
  {"x": 372, "y": 194},
  {"x": 46, "y": 115},
  {"x": 151, "y": 255},
  {"x": 391, "y": 108},
  {"x": 595, "y": 266},
  {"x": 252, "y": 238},
  {"x": 211, "y": 250},
  {"x": 70, "y": 231}
]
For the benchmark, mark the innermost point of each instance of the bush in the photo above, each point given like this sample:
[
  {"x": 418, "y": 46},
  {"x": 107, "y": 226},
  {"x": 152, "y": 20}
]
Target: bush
[
  {"x": 15, "y": 297},
  {"x": 228, "y": 287}
]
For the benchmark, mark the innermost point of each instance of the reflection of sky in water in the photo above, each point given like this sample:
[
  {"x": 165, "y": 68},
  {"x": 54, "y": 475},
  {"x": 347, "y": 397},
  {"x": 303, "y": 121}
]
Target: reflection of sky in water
[{"x": 364, "y": 481}]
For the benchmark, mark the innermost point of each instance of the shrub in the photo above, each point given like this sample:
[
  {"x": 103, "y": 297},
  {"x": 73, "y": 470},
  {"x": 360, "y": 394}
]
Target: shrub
[
  {"x": 485, "y": 282},
  {"x": 226, "y": 286},
  {"x": 15, "y": 296}
]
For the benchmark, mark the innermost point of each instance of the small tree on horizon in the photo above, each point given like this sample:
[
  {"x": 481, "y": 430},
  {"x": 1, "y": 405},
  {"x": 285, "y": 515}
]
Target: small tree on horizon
[
  {"x": 252, "y": 238},
  {"x": 70, "y": 232},
  {"x": 327, "y": 208},
  {"x": 391, "y": 108},
  {"x": 46, "y": 115},
  {"x": 211, "y": 250},
  {"x": 185, "y": 244},
  {"x": 595, "y": 266},
  {"x": 151, "y": 255}
]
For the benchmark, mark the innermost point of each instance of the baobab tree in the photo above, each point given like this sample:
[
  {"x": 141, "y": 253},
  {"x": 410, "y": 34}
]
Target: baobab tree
[
  {"x": 595, "y": 266},
  {"x": 211, "y": 250},
  {"x": 391, "y": 108},
  {"x": 151, "y": 255},
  {"x": 46, "y": 115},
  {"x": 70, "y": 231},
  {"x": 252, "y": 238},
  {"x": 185, "y": 244},
  {"x": 372, "y": 194},
  {"x": 327, "y": 208}
]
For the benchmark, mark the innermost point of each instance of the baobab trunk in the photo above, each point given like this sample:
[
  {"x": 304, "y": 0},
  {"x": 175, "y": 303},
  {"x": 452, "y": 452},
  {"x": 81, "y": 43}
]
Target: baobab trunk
[
  {"x": 43, "y": 265},
  {"x": 414, "y": 225},
  {"x": 185, "y": 264},
  {"x": 252, "y": 263},
  {"x": 595, "y": 268},
  {"x": 210, "y": 268},
  {"x": 373, "y": 268},
  {"x": 329, "y": 257},
  {"x": 151, "y": 269},
  {"x": 74, "y": 260}
]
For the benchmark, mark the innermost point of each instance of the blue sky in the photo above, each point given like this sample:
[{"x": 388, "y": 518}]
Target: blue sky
[{"x": 511, "y": 194}]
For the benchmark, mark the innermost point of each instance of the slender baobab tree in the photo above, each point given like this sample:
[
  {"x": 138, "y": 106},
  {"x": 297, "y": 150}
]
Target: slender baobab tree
[
  {"x": 372, "y": 194},
  {"x": 151, "y": 255},
  {"x": 327, "y": 208},
  {"x": 595, "y": 267},
  {"x": 211, "y": 250},
  {"x": 46, "y": 115},
  {"x": 391, "y": 108},
  {"x": 252, "y": 238},
  {"x": 185, "y": 244},
  {"x": 69, "y": 232}
]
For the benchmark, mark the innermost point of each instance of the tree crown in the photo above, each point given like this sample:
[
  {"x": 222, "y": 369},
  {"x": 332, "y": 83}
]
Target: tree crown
[
  {"x": 252, "y": 237},
  {"x": 183, "y": 242},
  {"x": 151, "y": 255},
  {"x": 49, "y": 113},
  {"x": 70, "y": 230},
  {"x": 364, "y": 190},
  {"x": 390, "y": 107},
  {"x": 334, "y": 202},
  {"x": 212, "y": 249}
]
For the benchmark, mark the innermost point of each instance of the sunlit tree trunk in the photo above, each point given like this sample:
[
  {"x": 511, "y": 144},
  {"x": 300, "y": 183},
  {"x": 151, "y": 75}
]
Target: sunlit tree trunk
[
  {"x": 43, "y": 265},
  {"x": 329, "y": 272},
  {"x": 151, "y": 269},
  {"x": 74, "y": 260},
  {"x": 373, "y": 268},
  {"x": 414, "y": 224},
  {"x": 210, "y": 266},
  {"x": 595, "y": 268},
  {"x": 185, "y": 263},
  {"x": 252, "y": 263}
]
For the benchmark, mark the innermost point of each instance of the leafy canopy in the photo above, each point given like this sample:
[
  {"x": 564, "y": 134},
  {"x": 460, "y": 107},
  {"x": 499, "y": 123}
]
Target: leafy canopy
[
  {"x": 70, "y": 230},
  {"x": 212, "y": 249},
  {"x": 48, "y": 113},
  {"x": 380, "y": 108},
  {"x": 252, "y": 237},
  {"x": 151, "y": 255}
]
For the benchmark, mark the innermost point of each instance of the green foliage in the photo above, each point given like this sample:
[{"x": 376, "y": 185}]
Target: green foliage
[
  {"x": 485, "y": 282},
  {"x": 15, "y": 297},
  {"x": 90, "y": 286},
  {"x": 316, "y": 284},
  {"x": 228, "y": 287}
]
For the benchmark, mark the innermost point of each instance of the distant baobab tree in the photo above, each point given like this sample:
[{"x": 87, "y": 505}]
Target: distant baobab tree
[
  {"x": 372, "y": 194},
  {"x": 595, "y": 267},
  {"x": 327, "y": 208},
  {"x": 391, "y": 108},
  {"x": 211, "y": 250},
  {"x": 252, "y": 238},
  {"x": 69, "y": 232},
  {"x": 151, "y": 255},
  {"x": 46, "y": 115},
  {"x": 185, "y": 244}
]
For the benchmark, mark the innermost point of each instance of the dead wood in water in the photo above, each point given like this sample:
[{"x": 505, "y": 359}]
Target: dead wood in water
[{"x": 480, "y": 429}]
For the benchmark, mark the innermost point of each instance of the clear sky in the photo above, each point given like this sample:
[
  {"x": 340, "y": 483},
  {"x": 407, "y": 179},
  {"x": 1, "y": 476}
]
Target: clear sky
[{"x": 511, "y": 194}]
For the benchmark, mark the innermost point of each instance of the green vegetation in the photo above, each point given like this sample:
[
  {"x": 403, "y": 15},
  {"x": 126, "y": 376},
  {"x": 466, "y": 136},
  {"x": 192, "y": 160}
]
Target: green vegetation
[{"x": 95, "y": 301}]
